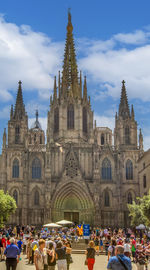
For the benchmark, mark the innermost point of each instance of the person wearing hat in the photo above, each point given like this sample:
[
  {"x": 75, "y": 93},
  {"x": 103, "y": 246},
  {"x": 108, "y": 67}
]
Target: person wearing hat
[{"x": 12, "y": 254}]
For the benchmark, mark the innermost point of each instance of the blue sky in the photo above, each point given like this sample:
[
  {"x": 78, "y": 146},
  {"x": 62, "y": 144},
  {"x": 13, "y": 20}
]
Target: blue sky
[{"x": 113, "y": 43}]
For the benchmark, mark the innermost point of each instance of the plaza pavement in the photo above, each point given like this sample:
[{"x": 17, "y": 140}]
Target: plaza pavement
[{"x": 101, "y": 263}]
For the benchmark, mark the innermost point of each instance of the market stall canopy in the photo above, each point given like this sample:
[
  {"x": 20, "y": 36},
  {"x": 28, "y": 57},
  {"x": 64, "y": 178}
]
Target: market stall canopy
[
  {"x": 140, "y": 227},
  {"x": 52, "y": 225},
  {"x": 64, "y": 222}
]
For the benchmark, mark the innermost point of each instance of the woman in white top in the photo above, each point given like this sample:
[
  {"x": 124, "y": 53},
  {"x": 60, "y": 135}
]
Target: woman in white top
[{"x": 40, "y": 256}]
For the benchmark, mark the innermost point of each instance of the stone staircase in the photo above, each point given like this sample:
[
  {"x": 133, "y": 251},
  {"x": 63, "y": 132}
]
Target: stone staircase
[{"x": 80, "y": 247}]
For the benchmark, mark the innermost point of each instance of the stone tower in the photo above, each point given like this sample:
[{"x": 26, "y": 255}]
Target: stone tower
[
  {"x": 125, "y": 133},
  {"x": 70, "y": 116},
  {"x": 18, "y": 123}
]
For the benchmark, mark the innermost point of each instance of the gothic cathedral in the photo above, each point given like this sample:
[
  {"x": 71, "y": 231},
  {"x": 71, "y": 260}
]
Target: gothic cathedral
[{"x": 78, "y": 174}]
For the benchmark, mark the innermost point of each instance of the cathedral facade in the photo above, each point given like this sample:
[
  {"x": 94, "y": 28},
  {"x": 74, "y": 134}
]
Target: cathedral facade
[{"x": 78, "y": 174}]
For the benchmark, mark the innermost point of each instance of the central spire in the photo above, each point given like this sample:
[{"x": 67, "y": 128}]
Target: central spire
[{"x": 70, "y": 70}]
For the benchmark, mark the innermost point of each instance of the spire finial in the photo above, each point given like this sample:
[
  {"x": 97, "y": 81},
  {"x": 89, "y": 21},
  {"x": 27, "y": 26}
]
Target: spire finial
[
  {"x": 69, "y": 26},
  {"x": 37, "y": 115},
  {"x": 123, "y": 83}
]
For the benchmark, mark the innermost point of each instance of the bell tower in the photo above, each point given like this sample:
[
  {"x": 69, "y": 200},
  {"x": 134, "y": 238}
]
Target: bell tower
[
  {"x": 18, "y": 123},
  {"x": 125, "y": 133},
  {"x": 70, "y": 117}
]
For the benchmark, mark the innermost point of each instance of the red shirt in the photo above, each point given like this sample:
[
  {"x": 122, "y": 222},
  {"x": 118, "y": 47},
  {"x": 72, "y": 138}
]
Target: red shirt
[
  {"x": 4, "y": 242},
  {"x": 8, "y": 242}
]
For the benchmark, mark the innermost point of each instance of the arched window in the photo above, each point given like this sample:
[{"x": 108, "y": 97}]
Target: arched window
[
  {"x": 144, "y": 181},
  {"x": 17, "y": 134},
  {"x": 15, "y": 169},
  {"x": 102, "y": 139},
  {"x": 130, "y": 200},
  {"x": 40, "y": 139},
  {"x": 107, "y": 199},
  {"x": 36, "y": 168},
  {"x": 36, "y": 198},
  {"x": 106, "y": 169},
  {"x": 129, "y": 170},
  {"x": 70, "y": 117},
  {"x": 56, "y": 120},
  {"x": 35, "y": 137},
  {"x": 127, "y": 135},
  {"x": 84, "y": 120},
  {"x": 15, "y": 196}
]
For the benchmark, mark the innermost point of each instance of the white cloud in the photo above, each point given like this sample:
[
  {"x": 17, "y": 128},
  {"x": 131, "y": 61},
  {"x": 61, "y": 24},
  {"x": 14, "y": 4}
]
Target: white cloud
[
  {"x": 105, "y": 121},
  {"x": 137, "y": 37},
  {"x": 108, "y": 62},
  {"x": 28, "y": 56}
]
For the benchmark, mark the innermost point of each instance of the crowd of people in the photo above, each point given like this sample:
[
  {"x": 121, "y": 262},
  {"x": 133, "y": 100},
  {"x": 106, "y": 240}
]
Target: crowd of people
[{"x": 48, "y": 249}]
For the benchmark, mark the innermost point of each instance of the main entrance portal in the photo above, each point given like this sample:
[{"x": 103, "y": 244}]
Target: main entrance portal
[
  {"x": 71, "y": 202},
  {"x": 72, "y": 216}
]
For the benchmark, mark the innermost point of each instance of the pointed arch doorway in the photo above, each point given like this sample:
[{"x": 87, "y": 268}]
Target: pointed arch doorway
[{"x": 73, "y": 203}]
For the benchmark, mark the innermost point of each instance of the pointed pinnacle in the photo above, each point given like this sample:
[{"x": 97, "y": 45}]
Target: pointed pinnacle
[
  {"x": 124, "y": 106},
  {"x": 55, "y": 88},
  {"x": 132, "y": 112},
  {"x": 85, "y": 89}
]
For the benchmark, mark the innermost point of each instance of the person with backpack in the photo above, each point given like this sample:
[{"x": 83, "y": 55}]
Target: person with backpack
[
  {"x": 119, "y": 261},
  {"x": 111, "y": 249}
]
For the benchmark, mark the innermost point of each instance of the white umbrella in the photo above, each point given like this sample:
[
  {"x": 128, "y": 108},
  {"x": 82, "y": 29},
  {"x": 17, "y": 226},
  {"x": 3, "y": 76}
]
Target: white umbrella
[
  {"x": 52, "y": 225},
  {"x": 64, "y": 222},
  {"x": 140, "y": 227}
]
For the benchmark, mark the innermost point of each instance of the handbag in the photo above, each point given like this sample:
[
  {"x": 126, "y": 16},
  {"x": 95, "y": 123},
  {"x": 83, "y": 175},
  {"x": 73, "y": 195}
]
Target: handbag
[{"x": 86, "y": 262}]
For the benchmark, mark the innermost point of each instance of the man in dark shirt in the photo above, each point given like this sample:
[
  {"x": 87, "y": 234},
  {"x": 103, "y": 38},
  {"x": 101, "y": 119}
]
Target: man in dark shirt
[{"x": 12, "y": 254}]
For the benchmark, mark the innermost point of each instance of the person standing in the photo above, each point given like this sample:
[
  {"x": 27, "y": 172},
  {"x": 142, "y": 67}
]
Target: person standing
[
  {"x": 140, "y": 257},
  {"x": 51, "y": 256},
  {"x": 34, "y": 247},
  {"x": 20, "y": 244},
  {"x": 90, "y": 253},
  {"x": 111, "y": 249},
  {"x": 12, "y": 254},
  {"x": 40, "y": 256},
  {"x": 119, "y": 261},
  {"x": 61, "y": 256},
  {"x": 68, "y": 254}
]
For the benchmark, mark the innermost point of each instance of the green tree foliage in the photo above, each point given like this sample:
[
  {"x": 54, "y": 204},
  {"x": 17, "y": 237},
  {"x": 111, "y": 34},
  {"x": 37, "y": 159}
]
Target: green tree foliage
[
  {"x": 7, "y": 207},
  {"x": 140, "y": 211}
]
